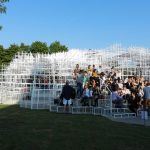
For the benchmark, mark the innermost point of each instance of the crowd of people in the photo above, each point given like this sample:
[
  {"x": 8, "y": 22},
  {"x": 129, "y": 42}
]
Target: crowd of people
[{"x": 93, "y": 84}]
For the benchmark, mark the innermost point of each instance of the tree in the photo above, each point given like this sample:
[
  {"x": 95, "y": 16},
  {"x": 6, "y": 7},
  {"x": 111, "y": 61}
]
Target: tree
[
  {"x": 1, "y": 55},
  {"x": 24, "y": 48},
  {"x": 10, "y": 53},
  {"x": 2, "y": 8},
  {"x": 38, "y": 47},
  {"x": 13, "y": 49},
  {"x": 1, "y": 50},
  {"x": 56, "y": 47}
]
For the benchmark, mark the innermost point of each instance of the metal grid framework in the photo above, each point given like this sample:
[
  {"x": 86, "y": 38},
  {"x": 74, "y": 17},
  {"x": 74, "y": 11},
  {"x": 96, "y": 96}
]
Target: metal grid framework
[{"x": 34, "y": 80}]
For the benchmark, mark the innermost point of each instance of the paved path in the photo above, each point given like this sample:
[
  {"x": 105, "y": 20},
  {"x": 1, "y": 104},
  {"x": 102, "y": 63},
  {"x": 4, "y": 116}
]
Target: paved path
[{"x": 136, "y": 120}]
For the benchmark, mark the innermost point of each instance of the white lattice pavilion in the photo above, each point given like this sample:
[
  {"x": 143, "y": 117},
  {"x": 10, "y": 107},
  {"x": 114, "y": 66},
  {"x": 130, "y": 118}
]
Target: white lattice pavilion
[{"x": 35, "y": 80}]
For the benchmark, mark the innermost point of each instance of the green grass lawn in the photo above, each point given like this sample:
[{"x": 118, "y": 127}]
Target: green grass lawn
[{"x": 23, "y": 129}]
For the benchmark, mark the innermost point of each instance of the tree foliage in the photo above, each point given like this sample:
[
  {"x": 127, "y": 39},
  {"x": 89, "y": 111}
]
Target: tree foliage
[
  {"x": 10, "y": 53},
  {"x": 3, "y": 7},
  {"x": 56, "y": 47},
  {"x": 24, "y": 48},
  {"x": 6, "y": 55},
  {"x": 39, "y": 47},
  {"x": 1, "y": 54}
]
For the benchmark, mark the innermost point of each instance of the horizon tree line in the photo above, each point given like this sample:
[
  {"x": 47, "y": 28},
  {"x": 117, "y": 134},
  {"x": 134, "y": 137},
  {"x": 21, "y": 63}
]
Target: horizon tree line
[{"x": 7, "y": 54}]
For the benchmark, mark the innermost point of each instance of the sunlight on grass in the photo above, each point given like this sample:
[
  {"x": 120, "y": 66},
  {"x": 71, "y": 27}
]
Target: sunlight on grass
[{"x": 4, "y": 106}]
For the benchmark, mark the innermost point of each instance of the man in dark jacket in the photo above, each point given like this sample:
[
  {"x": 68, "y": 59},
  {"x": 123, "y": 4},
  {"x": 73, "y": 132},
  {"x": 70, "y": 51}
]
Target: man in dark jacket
[{"x": 67, "y": 94}]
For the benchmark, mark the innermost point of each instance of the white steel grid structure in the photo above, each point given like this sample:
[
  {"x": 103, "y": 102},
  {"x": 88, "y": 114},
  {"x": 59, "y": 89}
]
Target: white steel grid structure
[{"x": 35, "y": 80}]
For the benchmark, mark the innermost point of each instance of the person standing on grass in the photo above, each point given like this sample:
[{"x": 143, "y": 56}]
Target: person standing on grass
[
  {"x": 68, "y": 93},
  {"x": 146, "y": 97}
]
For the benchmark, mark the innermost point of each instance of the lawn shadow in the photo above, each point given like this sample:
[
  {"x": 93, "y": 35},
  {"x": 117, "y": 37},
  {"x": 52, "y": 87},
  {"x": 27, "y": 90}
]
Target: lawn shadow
[{"x": 25, "y": 129}]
